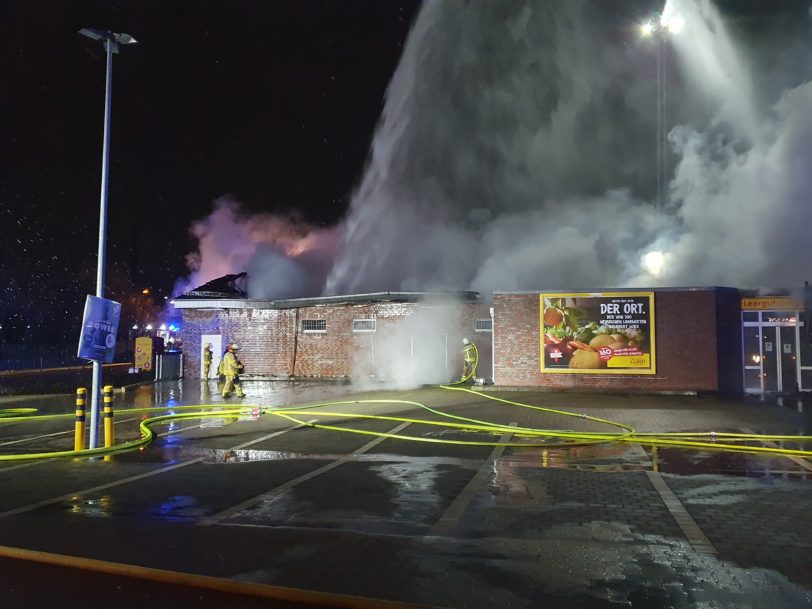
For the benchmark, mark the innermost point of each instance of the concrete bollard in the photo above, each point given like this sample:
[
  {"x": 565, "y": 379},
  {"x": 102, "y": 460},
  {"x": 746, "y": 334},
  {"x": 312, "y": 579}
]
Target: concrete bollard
[{"x": 79, "y": 424}]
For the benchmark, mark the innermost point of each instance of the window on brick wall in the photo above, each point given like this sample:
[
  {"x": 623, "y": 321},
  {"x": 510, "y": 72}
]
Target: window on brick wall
[
  {"x": 363, "y": 325},
  {"x": 314, "y": 325},
  {"x": 483, "y": 325}
]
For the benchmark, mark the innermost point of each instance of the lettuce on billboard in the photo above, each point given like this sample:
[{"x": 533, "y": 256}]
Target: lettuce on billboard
[{"x": 603, "y": 333}]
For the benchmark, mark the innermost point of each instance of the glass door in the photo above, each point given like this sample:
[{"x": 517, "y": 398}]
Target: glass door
[
  {"x": 769, "y": 359},
  {"x": 751, "y": 348},
  {"x": 788, "y": 381},
  {"x": 774, "y": 357}
]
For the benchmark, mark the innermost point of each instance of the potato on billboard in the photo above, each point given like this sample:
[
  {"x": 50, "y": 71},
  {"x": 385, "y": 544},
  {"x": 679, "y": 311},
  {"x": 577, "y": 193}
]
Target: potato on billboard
[{"x": 603, "y": 333}]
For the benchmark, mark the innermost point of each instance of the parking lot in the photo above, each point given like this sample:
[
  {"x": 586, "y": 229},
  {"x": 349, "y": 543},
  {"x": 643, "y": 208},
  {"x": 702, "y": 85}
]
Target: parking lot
[{"x": 261, "y": 499}]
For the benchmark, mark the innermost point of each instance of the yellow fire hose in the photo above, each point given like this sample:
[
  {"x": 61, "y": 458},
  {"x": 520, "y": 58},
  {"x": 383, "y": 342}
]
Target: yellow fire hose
[{"x": 540, "y": 438}]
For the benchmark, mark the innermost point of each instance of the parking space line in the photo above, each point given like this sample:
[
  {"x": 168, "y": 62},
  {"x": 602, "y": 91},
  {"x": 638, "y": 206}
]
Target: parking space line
[
  {"x": 56, "y": 433},
  {"x": 29, "y": 464},
  {"x": 122, "y": 481},
  {"x": 452, "y": 514},
  {"x": 698, "y": 540},
  {"x": 217, "y": 518},
  {"x": 795, "y": 459}
]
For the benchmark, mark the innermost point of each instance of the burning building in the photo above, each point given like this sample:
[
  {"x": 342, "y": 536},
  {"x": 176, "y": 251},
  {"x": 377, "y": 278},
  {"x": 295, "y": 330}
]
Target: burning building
[{"x": 688, "y": 340}]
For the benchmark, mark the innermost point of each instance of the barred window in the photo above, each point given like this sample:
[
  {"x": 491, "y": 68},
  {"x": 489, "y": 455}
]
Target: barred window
[
  {"x": 363, "y": 325},
  {"x": 483, "y": 325},
  {"x": 314, "y": 325}
]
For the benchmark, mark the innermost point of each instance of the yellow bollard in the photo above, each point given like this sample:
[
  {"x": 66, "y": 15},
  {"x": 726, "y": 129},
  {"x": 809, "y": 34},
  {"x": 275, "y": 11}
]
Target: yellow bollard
[
  {"x": 109, "y": 434},
  {"x": 79, "y": 425}
]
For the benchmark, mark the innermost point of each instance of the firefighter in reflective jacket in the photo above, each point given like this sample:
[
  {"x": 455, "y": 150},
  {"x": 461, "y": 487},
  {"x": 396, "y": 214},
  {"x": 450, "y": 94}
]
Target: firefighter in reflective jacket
[
  {"x": 469, "y": 357},
  {"x": 207, "y": 358},
  {"x": 232, "y": 367}
]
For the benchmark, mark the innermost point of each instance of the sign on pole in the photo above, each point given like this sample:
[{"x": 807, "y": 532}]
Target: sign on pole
[{"x": 99, "y": 329}]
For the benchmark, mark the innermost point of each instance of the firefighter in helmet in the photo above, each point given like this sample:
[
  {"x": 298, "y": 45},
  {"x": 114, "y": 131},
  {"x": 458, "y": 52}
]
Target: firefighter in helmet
[
  {"x": 207, "y": 359},
  {"x": 232, "y": 367},
  {"x": 469, "y": 359}
]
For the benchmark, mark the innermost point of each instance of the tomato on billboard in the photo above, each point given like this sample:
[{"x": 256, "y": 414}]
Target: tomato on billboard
[{"x": 598, "y": 333}]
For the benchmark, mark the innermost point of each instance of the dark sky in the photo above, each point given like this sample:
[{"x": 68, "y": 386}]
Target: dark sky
[{"x": 272, "y": 101}]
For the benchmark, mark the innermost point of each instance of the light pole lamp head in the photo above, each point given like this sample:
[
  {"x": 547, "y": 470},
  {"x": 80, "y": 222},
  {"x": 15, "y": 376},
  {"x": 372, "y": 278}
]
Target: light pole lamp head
[
  {"x": 112, "y": 38},
  {"x": 669, "y": 22}
]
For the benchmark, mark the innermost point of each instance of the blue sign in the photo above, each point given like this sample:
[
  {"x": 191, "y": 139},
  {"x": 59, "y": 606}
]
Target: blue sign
[{"x": 99, "y": 329}]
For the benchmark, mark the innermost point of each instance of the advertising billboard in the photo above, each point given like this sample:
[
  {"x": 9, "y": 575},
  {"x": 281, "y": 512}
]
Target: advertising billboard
[
  {"x": 598, "y": 333},
  {"x": 99, "y": 329},
  {"x": 143, "y": 353}
]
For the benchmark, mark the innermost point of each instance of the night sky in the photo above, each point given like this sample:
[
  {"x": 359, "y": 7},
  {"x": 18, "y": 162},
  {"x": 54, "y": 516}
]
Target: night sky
[{"x": 273, "y": 102}]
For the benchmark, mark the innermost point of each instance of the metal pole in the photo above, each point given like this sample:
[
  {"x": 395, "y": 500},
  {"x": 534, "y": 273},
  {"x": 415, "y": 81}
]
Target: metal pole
[
  {"x": 493, "y": 348},
  {"x": 97, "y": 367}
]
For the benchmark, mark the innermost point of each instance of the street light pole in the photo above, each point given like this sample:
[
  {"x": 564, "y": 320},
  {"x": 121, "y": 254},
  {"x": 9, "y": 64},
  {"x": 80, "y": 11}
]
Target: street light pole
[{"x": 111, "y": 43}]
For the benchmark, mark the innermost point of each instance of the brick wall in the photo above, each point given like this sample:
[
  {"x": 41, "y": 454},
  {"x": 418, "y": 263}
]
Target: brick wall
[
  {"x": 686, "y": 346},
  {"x": 419, "y": 337}
]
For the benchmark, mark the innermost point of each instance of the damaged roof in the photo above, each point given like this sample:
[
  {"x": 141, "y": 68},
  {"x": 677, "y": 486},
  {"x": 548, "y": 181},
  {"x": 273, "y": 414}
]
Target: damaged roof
[{"x": 231, "y": 292}]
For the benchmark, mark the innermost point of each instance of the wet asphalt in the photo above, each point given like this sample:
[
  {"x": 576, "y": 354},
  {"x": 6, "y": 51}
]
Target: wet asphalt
[{"x": 262, "y": 499}]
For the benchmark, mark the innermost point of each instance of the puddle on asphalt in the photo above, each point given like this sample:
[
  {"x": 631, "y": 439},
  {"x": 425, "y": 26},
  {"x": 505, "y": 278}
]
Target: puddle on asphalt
[
  {"x": 620, "y": 457},
  {"x": 95, "y": 507},
  {"x": 402, "y": 497}
]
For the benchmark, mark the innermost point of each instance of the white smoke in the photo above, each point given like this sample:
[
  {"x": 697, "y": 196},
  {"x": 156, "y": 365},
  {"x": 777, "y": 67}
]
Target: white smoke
[
  {"x": 516, "y": 148},
  {"x": 744, "y": 217},
  {"x": 404, "y": 353}
]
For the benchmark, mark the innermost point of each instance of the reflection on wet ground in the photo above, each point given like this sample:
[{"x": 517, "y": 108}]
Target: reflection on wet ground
[
  {"x": 97, "y": 507},
  {"x": 621, "y": 457}
]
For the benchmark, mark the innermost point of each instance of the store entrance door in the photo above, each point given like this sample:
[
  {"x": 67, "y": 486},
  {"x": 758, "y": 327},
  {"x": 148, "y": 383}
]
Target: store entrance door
[{"x": 770, "y": 348}]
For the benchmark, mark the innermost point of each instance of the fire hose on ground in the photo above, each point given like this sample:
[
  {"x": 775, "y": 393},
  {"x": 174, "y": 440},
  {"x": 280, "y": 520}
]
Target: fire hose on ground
[{"x": 532, "y": 437}]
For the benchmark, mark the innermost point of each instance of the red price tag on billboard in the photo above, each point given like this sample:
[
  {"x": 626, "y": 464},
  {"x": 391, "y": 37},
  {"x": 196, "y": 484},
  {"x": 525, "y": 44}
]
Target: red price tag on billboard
[{"x": 605, "y": 353}]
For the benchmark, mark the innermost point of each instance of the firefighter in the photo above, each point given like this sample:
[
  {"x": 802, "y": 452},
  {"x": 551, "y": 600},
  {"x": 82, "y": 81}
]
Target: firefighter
[
  {"x": 207, "y": 359},
  {"x": 469, "y": 359},
  {"x": 232, "y": 367}
]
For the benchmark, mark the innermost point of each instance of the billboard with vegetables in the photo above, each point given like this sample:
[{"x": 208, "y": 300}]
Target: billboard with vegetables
[{"x": 605, "y": 333}]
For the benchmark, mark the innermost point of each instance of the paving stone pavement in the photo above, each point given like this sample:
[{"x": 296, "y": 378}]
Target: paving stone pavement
[{"x": 755, "y": 522}]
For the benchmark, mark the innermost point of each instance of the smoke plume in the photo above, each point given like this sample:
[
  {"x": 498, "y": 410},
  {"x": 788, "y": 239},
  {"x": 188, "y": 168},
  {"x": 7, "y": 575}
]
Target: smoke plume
[
  {"x": 284, "y": 257},
  {"x": 516, "y": 151}
]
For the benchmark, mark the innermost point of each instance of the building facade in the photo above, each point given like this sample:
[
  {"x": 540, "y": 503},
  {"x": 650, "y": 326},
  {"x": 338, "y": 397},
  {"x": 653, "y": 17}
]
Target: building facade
[
  {"x": 685, "y": 340},
  {"x": 385, "y": 336}
]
